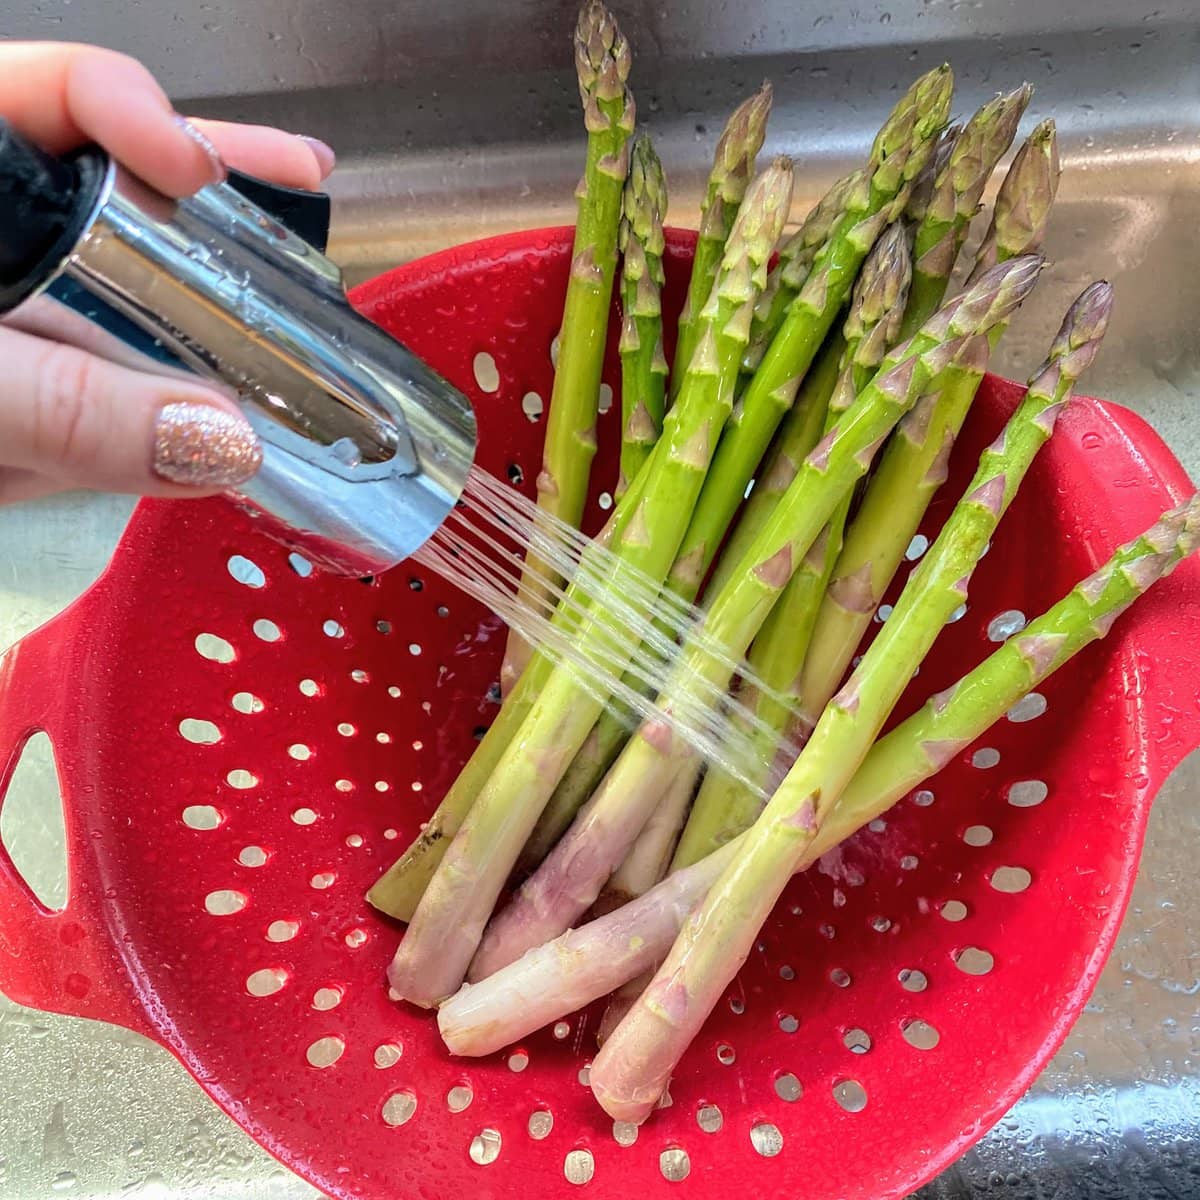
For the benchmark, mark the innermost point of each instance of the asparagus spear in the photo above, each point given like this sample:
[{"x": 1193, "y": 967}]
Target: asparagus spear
[
  {"x": 724, "y": 805},
  {"x": 954, "y": 718},
  {"x": 576, "y": 968},
  {"x": 448, "y": 921},
  {"x": 852, "y": 213},
  {"x": 802, "y": 428},
  {"x": 635, "y": 1062},
  {"x": 643, "y": 363},
  {"x": 398, "y": 891},
  {"x": 1018, "y": 220},
  {"x": 954, "y": 200},
  {"x": 796, "y": 256},
  {"x": 586, "y": 963},
  {"x": 913, "y": 465},
  {"x": 733, "y": 166},
  {"x": 799, "y": 432},
  {"x": 901, "y": 149},
  {"x": 602, "y": 62},
  {"x": 571, "y": 877},
  {"x": 650, "y": 855}
]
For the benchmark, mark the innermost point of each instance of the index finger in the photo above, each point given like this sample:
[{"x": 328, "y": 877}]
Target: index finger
[{"x": 62, "y": 95}]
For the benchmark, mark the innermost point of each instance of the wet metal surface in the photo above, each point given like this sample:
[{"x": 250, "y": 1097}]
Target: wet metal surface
[{"x": 457, "y": 121}]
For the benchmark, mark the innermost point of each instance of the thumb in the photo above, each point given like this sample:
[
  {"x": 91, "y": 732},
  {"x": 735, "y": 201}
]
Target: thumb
[{"x": 80, "y": 421}]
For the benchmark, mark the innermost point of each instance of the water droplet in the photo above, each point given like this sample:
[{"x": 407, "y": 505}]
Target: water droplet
[{"x": 1005, "y": 624}]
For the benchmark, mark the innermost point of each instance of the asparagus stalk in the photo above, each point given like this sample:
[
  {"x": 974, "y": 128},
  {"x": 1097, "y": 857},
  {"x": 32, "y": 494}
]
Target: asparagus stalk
[
  {"x": 602, "y": 62},
  {"x": 913, "y": 465},
  {"x": 589, "y": 766},
  {"x": 449, "y": 919},
  {"x": 649, "y": 856},
  {"x": 796, "y": 256},
  {"x": 634, "y": 1064},
  {"x": 398, "y": 891},
  {"x": 571, "y": 877},
  {"x": 901, "y": 149},
  {"x": 1018, "y": 220},
  {"x": 576, "y": 968},
  {"x": 802, "y": 429},
  {"x": 643, "y": 363},
  {"x": 799, "y": 432},
  {"x": 851, "y": 217},
  {"x": 954, "y": 199},
  {"x": 954, "y": 718},
  {"x": 724, "y": 805},
  {"x": 591, "y": 961},
  {"x": 733, "y": 166}
]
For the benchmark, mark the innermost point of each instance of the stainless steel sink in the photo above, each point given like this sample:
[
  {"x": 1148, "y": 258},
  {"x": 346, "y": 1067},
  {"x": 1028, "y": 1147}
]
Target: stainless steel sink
[{"x": 456, "y": 120}]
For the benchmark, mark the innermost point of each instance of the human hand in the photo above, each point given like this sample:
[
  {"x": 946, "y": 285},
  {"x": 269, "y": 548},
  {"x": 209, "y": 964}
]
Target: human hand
[{"x": 68, "y": 419}]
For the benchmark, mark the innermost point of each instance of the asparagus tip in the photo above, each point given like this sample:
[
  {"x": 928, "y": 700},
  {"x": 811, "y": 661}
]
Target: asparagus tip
[
  {"x": 1043, "y": 132},
  {"x": 1078, "y": 339},
  {"x": 881, "y": 291},
  {"x": 997, "y": 123},
  {"x": 989, "y": 297},
  {"x": 1091, "y": 310},
  {"x": 740, "y": 142},
  {"x": 951, "y": 196},
  {"x": 1011, "y": 106},
  {"x": 1042, "y": 147},
  {"x": 768, "y": 199},
  {"x": 602, "y": 55},
  {"x": 1042, "y": 144},
  {"x": 751, "y": 241},
  {"x": 644, "y": 200},
  {"x": 916, "y": 117},
  {"x": 1016, "y": 277},
  {"x": 1023, "y": 203},
  {"x": 938, "y": 90},
  {"x": 923, "y": 186}
]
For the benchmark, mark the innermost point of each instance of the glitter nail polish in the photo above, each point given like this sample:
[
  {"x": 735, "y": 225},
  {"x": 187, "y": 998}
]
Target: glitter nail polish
[
  {"x": 216, "y": 163},
  {"x": 204, "y": 446}
]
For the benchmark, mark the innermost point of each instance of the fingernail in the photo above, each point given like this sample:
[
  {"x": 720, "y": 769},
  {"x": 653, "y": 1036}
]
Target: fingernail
[
  {"x": 216, "y": 163},
  {"x": 326, "y": 158},
  {"x": 204, "y": 446}
]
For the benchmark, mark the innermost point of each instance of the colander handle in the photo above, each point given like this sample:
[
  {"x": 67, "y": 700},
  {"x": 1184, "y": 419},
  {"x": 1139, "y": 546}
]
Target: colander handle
[{"x": 62, "y": 961}]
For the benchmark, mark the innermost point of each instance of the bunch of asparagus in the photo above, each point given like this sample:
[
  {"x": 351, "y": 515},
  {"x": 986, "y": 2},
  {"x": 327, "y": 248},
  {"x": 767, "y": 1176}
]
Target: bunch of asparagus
[{"x": 828, "y": 371}]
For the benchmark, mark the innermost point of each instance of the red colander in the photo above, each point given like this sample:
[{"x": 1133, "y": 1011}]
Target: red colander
[{"x": 243, "y": 745}]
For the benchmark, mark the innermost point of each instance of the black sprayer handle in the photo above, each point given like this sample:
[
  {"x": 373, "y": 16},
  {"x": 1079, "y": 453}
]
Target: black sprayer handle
[
  {"x": 306, "y": 214},
  {"x": 44, "y": 204}
]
